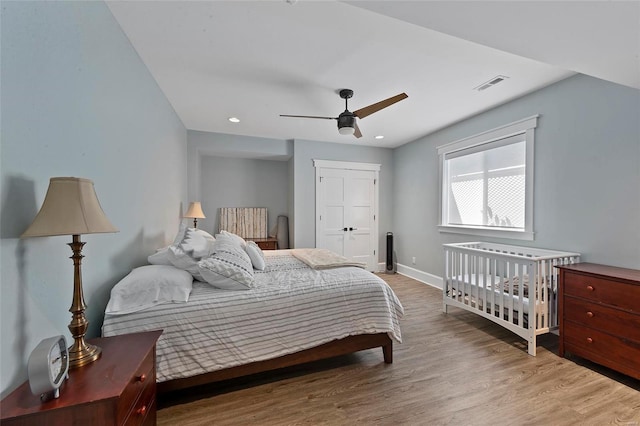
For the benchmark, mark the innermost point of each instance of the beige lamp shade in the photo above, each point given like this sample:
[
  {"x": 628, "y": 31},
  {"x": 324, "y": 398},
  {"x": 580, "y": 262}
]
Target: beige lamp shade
[
  {"x": 70, "y": 207},
  {"x": 195, "y": 211}
]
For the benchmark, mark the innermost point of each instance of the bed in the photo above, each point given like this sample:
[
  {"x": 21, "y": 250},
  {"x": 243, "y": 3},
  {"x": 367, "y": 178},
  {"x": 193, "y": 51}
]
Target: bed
[
  {"x": 513, "y": 286},
  {"x": 292, "y": 314}
]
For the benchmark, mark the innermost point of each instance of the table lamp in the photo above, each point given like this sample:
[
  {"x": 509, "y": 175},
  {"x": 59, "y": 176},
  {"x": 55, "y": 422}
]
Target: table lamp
[
  {"x": 71, "y": 207},
  {"x": 195, "y": 212}
]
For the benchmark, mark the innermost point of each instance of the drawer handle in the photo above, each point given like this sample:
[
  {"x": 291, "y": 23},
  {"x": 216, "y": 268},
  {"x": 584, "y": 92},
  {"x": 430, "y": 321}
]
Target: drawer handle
[
  {"x": 141, "y": 378},
  {"x": 590, "y": 288},
  {"x": 589, "y": 340},
  {"x": 590, "y": 314},
  {"x": 142, "y": 410}
]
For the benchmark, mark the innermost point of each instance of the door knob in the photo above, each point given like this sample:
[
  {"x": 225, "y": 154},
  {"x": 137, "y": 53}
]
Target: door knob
[
  {"x": 353, "y": 229},
  {"x": 345, "y": 229}
]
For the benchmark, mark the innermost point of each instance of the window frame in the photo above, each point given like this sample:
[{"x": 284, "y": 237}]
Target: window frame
[{"x": 526, "y": 127}]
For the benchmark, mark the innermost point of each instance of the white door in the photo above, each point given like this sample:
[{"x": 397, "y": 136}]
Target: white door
[{"x": 346, "y": 211}]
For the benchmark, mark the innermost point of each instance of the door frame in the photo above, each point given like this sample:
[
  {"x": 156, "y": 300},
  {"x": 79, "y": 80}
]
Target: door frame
[{"x": 349, "y": 165}]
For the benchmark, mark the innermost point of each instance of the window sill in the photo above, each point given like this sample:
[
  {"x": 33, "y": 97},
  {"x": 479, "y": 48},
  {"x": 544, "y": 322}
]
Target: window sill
[{"x": 487, "y": 232}]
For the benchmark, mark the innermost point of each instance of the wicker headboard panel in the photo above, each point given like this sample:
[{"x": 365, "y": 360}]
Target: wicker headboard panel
[{"x": 248, "y": 222}]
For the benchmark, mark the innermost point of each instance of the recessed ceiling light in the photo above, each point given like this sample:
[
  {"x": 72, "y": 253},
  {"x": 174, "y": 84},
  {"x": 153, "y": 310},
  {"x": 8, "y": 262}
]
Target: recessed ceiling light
[
  {"x": 379, "y": 137},
  {"x": 234, "y": 119}
]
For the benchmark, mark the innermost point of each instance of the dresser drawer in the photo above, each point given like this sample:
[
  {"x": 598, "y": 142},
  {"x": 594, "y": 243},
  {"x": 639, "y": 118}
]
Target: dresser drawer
[
  {"x": 610, "y": 320},
  {"x": 144, "y": 407},
  {"x": 618, "y": 353},
  {"x": 601, "y": 290},
  {"x": 143, "y": 380}
]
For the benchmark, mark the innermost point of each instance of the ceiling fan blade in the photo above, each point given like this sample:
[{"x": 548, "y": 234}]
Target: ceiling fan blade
[
  {"x": 308, "y": 116},
  {"x": 356, "y": 129},
  {"x": 368, "y": 110}
]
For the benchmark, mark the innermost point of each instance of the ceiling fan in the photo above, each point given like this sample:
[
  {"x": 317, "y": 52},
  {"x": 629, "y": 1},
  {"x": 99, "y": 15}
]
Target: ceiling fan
[{"x": 347, "y": 124}]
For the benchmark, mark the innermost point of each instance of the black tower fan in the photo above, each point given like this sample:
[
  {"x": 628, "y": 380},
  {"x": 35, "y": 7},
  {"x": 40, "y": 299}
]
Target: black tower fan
[{"x": 390, "y": 267}]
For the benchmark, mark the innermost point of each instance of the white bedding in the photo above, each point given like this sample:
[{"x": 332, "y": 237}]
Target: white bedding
[{"x": 291, "y": 308}]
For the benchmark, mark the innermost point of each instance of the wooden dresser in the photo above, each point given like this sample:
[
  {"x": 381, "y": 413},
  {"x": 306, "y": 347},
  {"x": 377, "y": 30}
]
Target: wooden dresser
[
  {"x": 599, "y": 315},
  {"x": 117, "y": 389}
]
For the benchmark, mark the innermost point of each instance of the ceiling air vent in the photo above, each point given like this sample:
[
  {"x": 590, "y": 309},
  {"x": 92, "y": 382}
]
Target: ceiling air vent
[{"x": 495, "y": 80}]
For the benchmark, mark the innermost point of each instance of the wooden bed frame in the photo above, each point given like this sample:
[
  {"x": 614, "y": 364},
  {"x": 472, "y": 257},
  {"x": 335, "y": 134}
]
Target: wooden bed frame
[{"x": 328, "y": 350}]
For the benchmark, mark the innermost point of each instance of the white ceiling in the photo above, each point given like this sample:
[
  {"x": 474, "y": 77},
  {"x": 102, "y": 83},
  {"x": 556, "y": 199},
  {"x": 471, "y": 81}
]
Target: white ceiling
[{"x": 258, "y": 59}]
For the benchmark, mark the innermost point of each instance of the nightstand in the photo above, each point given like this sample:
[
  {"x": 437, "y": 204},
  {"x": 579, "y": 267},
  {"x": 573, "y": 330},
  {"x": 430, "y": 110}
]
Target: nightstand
[
  {"x": 119, "y": 388},
  {"x": 266, "y": 243}
]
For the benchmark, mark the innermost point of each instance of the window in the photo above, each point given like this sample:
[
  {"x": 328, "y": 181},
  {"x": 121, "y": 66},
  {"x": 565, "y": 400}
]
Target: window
[{"x": 487, "y": 182}]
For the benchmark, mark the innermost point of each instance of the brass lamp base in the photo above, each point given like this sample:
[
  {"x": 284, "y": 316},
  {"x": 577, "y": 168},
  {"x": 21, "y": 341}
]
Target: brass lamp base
[
  {"x": 80, "y": 353},
  {"x": 84, "y": 357}
]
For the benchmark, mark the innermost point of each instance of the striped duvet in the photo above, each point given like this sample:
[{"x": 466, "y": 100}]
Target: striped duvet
[{"x": 291, "y": 308}]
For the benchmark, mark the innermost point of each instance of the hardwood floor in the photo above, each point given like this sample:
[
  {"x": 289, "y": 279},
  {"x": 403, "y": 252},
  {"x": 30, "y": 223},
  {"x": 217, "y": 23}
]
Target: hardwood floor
[{"x": 456, "y": 369}]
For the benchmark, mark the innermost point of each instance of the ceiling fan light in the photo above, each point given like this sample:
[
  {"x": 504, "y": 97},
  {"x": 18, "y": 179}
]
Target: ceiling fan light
[{"x": 346, "y": 130}]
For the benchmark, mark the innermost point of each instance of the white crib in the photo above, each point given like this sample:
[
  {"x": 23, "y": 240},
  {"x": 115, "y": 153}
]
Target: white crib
[{"x": 512, "y": 286}]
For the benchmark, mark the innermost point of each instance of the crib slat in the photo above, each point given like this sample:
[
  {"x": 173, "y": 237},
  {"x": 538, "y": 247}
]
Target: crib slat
[
  {"x": 501, "y": 298},
  {"x": 520, "y": 302},
  {"x": 543, "y": 295},
  {"x": 510, "y": 277},
  {"x": 465, "y": 275},
  {"x": 486, "y": 271},
  {"x": 476, "y": 271},
  {"x": 493, "y": 265},
  {"x": 455, "y": 256}
]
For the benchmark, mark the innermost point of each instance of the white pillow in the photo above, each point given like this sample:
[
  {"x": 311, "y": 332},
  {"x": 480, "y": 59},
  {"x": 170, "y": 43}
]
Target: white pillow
[
  {"x": 197, "y": 243},
  {"x": 229, "y": 267},
  {"x": 182, "y": 228},
  {"x": 188, "y": 248},
  {"x": 256, "y": 255},
  {"x": 182, "y": 260},
  {"x": 160, "y": 257},
  {"x": 237, "y": 239},
  {"x": 148, "y": 286}
]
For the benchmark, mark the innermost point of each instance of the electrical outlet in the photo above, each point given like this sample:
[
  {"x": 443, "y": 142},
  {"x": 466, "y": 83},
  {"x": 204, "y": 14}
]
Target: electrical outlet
[{"x": 413, "y": 260}]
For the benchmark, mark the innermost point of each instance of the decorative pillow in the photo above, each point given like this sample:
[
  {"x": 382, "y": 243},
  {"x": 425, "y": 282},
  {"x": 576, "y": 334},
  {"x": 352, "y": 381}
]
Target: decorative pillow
[
  {"x": 229, "y": 267},
  {"x": 256, "y": 255},
  {"x": 182, "y": 228},
  {"x": 160, "y": 257},
  {"x": 183, "y": 260},
  {"x": 239, "y": 241},
  {"x": 197, "y": 243},
  {"x": 148, "y": 286},
  {"x": 189, "y": 247}
]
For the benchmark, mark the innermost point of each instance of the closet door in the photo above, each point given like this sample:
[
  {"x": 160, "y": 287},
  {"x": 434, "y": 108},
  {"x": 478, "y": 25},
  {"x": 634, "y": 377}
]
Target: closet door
[{"x": 346, "y": 211}]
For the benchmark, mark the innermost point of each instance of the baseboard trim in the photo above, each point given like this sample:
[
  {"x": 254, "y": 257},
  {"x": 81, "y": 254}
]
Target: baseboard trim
[{"x": 416, "y": 274}]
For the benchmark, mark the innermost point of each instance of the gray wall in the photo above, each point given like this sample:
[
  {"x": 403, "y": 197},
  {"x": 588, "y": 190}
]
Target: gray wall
[
  {"x": 587, "y": 175},
  {"x": 242, "y": 182},
  {"x": 77, "y": 101},
  {"x": 304, "y": 228},
  {"x": 207, "y": 144},
  {"x": 297, "y": 164},
  {"x": 274, "y": 154}
]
